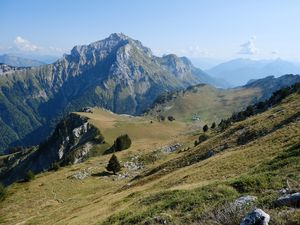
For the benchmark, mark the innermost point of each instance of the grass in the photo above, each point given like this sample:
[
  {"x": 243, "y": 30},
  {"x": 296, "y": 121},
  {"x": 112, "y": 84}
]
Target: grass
[
  {"x": 183, "y": 190},
  {"x": 212, "y": 104}
]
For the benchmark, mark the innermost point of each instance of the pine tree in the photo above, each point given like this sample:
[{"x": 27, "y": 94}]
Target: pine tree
[
  {"x": 213, "y": 126},
  {"x": 113, "y": 164},
  {"x": 205, "y": 128}
]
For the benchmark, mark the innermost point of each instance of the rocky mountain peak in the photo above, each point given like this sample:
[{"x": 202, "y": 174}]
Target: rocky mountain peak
[
  {"x": 178, "y": 66},
  {"x": 99, "y": 50}
]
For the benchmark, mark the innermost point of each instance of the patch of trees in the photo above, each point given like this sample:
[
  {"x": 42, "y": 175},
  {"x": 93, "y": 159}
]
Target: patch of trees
[{"x": 260, "y": 107}]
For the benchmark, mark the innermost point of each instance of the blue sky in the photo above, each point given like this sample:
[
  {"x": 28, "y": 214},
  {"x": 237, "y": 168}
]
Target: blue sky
[{"x": 219, "y": 29}]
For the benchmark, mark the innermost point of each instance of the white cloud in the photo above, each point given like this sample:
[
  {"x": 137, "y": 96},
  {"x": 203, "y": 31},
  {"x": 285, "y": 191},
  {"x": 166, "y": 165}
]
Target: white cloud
[
  {"x": 25, "y": 45},
  {"x": 21, "y": 45},
  {"x": 249, "y": 47}
]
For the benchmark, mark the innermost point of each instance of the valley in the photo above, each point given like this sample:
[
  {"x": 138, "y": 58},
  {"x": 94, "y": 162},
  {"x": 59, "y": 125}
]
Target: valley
[{"x": 188, "y": 185}]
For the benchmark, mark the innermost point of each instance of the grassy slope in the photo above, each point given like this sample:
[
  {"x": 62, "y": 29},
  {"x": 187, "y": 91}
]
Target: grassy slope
[
  {"x": 184, "y": 187},
  {"x": 209, "y": 103}
]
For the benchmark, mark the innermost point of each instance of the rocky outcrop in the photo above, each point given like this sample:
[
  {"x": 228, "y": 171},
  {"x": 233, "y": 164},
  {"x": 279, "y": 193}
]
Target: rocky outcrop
[
  {"x": 291, "y": 200},
  {"x": 70, "y": 143},
  {"x": 256, "y": 217}
]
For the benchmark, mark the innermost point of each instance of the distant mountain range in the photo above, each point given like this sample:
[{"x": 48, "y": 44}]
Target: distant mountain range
[
  {"x": 117, "y": 73},
  {"x": 17, "y": 61},
  {"x": 238, "y": 72}
]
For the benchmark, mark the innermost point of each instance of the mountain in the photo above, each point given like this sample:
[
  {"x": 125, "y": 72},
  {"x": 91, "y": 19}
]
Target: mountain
[
  {"x": 166, "y": 177},
  {"x": 238, "y": 72},
  {"x": 117, "y": 73},
  {"x": 19, "y": 61},
  {"x": 206, "y": 104}
]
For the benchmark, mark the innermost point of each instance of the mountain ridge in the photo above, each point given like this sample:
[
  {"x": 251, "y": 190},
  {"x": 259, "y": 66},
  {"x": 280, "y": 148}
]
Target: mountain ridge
[
  {"x": 18, "y": 61},
  {"x": 239, "y": 71},
  {"x": 117, "y": 73}
]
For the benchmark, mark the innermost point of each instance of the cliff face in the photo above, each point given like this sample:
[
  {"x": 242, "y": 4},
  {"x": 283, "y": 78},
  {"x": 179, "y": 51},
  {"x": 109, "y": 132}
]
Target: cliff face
[{"x": 70, "y": 143}]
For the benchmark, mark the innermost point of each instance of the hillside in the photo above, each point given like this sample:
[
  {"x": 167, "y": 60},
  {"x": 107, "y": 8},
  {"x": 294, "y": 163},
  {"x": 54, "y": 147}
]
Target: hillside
[
  {"x": 189, "y": 185},
  {"x": 239, "y": 71},
  {"x": 201, "y": 104},
  {"x": 117, "y": 73}
]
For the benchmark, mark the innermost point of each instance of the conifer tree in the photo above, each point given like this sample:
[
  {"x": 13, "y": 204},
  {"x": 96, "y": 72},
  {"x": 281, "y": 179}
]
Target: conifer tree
[{"x": 113, "y": 164}]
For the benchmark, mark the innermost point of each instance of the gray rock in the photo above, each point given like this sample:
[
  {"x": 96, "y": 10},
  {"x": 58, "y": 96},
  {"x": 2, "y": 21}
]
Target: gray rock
[
  {"x": 256, "y": 217},
  {"x": 244, "y": 201},
  {"x": 171, "y": 148},
  {"x": 82, "y": 174},
  {"x": 292, "y": 200}
]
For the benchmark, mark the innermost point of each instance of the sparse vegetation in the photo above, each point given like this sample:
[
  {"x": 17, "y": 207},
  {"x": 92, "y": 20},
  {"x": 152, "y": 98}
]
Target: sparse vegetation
[{"x": 249, "y": 135}]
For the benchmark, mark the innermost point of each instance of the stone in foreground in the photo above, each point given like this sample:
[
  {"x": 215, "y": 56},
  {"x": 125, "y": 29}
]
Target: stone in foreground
[{"x": 256, "y": 217}]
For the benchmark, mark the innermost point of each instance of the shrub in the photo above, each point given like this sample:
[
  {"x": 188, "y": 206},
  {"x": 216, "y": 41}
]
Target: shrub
[
  {"x": 2, "y": 192},
  {"x": 171, "y": 118},
  {"x": 113, "y": 164},
  {"x": 205, "y": 128},
  {"x": 122, "y": 142},
  {"x": 161, "y": 118},
  {"x": 213, "y": 126},
  {"x": 29, "y": 176},
  {"x": 202, "y": 138}
]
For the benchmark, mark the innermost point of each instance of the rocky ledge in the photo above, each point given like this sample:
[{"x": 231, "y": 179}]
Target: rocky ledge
[{"x": 70, "y": 143}]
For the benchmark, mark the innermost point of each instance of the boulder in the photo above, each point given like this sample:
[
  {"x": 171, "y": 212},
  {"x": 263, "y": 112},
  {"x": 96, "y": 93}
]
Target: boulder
[
  {"x": 256, "y": 217},
  {"x": 292, "y": 200}
]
